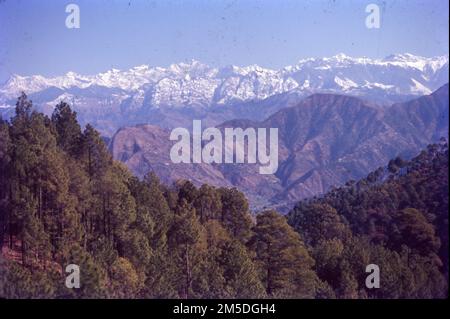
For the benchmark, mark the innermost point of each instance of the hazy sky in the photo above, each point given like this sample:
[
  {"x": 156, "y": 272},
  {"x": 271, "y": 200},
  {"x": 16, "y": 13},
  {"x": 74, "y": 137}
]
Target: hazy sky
[{"x": 271, "y": 33}]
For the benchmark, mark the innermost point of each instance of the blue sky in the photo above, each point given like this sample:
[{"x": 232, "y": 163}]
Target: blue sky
[{"x": 271, "y": 33}]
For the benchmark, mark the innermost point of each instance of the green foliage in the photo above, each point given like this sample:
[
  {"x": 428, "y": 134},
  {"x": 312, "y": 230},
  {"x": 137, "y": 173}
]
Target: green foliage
[
  {"x": 285, "y": 265},
  {"x": 396, "y": 218},
  {"x": 63, "y": 200},
  {"x": 125, "y": 281},
  {"x": 67, "y": 128}
]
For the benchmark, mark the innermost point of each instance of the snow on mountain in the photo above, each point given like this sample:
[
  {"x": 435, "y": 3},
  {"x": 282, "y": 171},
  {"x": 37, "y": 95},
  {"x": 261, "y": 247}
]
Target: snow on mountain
[
  {"x": 198, "y": 84},
  {"x": 146, "y": 94}
]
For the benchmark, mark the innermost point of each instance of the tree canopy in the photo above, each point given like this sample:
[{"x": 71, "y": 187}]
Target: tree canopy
[{"x": 64, "y": 200}]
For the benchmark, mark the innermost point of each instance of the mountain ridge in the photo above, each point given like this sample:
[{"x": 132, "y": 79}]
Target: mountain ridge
[
  {"x": 167, "y": 96},
  {"x": 324, "y": 141}
]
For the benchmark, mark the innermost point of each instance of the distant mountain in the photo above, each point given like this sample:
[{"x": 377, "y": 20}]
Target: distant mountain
[
  {"x": 173, "y": 96},
  {"x": 325, "y": 140}
]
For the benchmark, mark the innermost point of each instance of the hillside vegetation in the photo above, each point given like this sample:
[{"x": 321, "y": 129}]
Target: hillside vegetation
[{"x": 64, "y": 200}]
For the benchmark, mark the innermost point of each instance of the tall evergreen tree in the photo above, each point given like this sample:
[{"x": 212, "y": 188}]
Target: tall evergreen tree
[
  {"x": 67, "y": 128},
  {"x": 282, "y": 257}
]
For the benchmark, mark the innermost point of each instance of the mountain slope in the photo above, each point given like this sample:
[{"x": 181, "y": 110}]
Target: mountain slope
[
  {"x": 401, "y": 207},
  {"x": 324, "y": 141}
]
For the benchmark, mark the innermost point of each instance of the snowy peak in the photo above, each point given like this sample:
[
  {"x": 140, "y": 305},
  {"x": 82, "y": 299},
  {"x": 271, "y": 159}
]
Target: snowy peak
[
  {"x": 405, "y": 57},
  {"x": 413, "y": 61},
  {"x": 195, "y": 83}
]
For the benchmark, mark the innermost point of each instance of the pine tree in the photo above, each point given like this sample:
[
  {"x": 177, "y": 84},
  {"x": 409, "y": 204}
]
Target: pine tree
[
  {"x": 5, "y": 145},
  {"x": 318, "y": 222},
  {"x": 67, "y": 128},
  {"x": 94, "y": 152},
  {"x": 125, "y": 281},
  {"x": 240, "y": 272},
  {"x": 183, "y": 235},
  {"x": 235, "y": 214},
  {"x": 208, "y": 203},
  {"x": 284, "y": 262}
]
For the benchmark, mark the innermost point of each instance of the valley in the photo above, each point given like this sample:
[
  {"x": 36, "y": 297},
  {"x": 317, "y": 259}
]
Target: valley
[{"x": 324, "y": 141}]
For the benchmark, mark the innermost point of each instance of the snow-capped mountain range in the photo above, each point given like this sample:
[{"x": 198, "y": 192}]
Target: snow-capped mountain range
[{"x": 194, "y": 84}]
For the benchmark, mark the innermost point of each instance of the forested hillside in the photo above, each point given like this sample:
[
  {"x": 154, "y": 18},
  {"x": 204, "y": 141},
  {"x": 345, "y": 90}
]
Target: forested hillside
[
  {"x": 64, "y": 200},
  {"x": 396, "y": 218}
]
